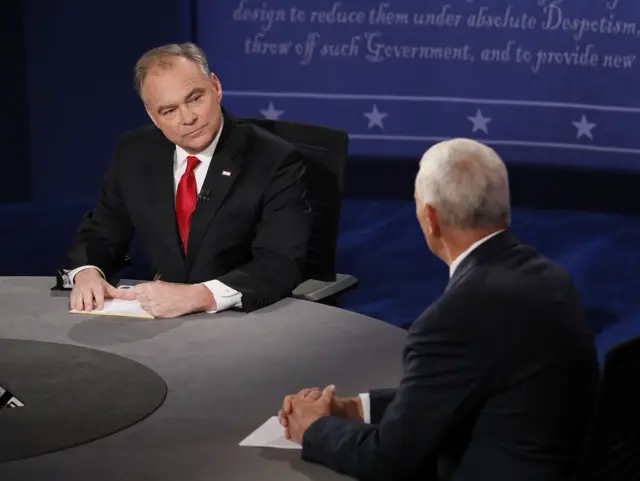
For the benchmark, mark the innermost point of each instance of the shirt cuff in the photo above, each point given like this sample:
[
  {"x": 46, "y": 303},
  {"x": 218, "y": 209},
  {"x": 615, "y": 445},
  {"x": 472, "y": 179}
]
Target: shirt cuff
[
  {"x": 71, "y": 274},
  {"x": 366, "y": 407},
  {"x": 224, "y": 296}
]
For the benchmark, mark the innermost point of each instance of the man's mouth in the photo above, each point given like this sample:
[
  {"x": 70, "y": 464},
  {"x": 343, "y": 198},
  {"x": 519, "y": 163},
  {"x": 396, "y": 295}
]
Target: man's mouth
[{"x": 195, "y": 132}]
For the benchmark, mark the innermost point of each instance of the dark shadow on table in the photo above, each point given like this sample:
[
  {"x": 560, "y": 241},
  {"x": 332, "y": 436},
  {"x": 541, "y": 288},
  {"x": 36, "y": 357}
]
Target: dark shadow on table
[
  {"x": 314, "y": 472},
  {"x": 106, "y": 331},
  {"x": 111, "y": 330}
]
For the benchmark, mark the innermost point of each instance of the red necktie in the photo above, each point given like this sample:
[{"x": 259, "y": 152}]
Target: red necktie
[{"x": 186, "y": 199}]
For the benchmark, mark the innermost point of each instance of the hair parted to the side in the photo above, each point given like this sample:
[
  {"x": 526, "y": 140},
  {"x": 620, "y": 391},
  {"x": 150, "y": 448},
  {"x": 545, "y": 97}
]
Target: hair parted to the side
[
  {"x": 164, "y": 55},
  {"x": 467, "y": 183}
]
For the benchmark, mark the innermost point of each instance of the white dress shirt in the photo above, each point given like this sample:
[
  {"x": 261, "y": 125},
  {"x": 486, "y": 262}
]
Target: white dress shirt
[
  {"x": 224, "y": 296},
  {"x": 364, "y": 397}
]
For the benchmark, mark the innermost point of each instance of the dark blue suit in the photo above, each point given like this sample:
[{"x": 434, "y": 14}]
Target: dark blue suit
[{"x": 500, "y": 378}]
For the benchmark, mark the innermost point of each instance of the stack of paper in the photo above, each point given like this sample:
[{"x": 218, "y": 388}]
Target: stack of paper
[
  {"x": 119, "y": 307},
  {"x": 269, "y": 435}
]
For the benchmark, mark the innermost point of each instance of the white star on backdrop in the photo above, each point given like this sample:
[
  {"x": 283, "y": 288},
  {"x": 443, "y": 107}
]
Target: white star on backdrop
[
  {"x": 375, "y": 117},
  {"x": 480, "y": 122},
  {"x": 584, "y": 128},
  {"x": 271, "y": 112}
]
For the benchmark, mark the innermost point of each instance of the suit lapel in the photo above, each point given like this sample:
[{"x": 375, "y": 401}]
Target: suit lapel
[
  {"x": 224, "y": 169},
  {"x": 163, "y": 199}
]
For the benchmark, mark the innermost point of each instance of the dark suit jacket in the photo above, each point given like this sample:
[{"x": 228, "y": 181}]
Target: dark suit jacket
[
  {"x": 251, "y": 234},
  {"x": 500, "y": 378}
]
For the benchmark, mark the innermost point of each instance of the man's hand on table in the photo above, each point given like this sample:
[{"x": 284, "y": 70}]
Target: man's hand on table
[
  {"x": 158, "y": 298},
  {"x": 90, "y": 290},
  {"x": 165, "y": 299},
  {"x": 299, "y": 411}
]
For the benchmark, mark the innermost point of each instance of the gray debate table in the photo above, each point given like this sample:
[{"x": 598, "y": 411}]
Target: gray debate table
[{"x": 226, "y": 374}]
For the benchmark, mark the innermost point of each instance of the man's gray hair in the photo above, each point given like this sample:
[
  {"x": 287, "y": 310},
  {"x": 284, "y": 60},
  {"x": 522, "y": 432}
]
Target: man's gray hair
[
  {"x": 467, "y": 183},
  {"x": 163, "y": 56}
]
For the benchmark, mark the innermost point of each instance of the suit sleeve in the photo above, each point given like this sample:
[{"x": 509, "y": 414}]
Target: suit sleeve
[
  {"x": 105, "y": 233},
  {"x": 379, "y": 402},
  {"x": 280, "y": 245},
  {"x": 440, "y": 385}
]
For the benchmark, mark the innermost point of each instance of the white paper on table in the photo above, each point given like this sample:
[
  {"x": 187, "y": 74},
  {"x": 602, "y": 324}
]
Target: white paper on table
[
  {"x": 118, "y": 307},
  {"x": 269, "y": 435}
]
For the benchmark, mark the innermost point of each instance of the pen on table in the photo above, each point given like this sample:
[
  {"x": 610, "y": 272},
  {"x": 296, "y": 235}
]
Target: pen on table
[{"x": 157, "y": 276}]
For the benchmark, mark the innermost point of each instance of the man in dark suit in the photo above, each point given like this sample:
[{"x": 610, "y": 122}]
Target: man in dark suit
[
  {"x": 500, "y": 372},
  {"x": 218, "y": 206}
]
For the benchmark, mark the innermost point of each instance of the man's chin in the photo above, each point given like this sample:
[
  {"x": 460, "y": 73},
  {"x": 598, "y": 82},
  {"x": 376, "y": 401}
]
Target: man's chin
[{"x": 198, "y": 143}]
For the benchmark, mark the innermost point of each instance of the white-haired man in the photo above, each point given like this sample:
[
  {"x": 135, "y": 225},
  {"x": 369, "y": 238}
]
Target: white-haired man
[{"x": 499, "y": 373}]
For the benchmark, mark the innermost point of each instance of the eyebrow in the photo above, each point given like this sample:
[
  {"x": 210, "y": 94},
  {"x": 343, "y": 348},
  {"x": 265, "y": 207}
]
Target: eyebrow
[{"x": 193, "y": 93}]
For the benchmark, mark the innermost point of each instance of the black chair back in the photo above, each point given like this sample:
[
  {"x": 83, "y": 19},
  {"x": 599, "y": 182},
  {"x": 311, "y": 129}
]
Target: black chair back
[
  {"x": 325, "y": 151},
  {"x": 614, "y": 448}
]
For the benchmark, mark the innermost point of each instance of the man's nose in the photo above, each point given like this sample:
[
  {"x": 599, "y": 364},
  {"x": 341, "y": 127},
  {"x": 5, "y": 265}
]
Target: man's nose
[{"x": 187, "y": 116}]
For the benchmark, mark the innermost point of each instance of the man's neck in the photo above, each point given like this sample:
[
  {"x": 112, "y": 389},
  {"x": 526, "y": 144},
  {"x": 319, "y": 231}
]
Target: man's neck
[{"x": 462, "y": 241}]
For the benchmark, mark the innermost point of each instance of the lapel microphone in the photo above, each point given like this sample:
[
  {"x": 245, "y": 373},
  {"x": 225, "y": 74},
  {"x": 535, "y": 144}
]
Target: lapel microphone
[{"x": 204, "y": 195}]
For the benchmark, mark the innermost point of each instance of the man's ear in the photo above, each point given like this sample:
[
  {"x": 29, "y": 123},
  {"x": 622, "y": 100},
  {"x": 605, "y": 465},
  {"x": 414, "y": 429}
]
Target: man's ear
[
  {"x": 150, "y": 116},
  {"x": 217, "y": 86},
  {"x": 433, "y": 221}
]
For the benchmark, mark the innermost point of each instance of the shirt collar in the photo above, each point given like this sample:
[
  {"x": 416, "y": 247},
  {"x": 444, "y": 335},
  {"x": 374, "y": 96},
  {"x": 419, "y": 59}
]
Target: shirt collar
[
  {"x": 204, "y": 156},
  {"x": 461, "y": 257}
]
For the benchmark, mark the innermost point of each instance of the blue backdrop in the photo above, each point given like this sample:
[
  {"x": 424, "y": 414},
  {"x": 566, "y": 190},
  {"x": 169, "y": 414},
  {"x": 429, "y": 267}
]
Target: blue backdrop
[
  {"x": 15, "y": 182},
  {"x": 549, "y": 81},
  {"x": 79, "y": 59}
]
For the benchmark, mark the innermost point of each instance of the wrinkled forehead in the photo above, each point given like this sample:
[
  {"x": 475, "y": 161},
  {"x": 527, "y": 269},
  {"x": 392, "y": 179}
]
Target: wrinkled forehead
[{"x": 171, "y": 80}]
